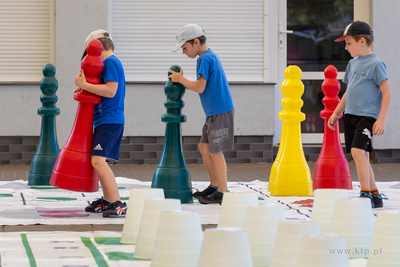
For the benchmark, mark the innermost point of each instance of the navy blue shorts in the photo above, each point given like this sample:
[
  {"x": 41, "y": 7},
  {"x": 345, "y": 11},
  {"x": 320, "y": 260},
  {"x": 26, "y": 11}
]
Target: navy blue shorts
[{"x": 107, "y": 141}]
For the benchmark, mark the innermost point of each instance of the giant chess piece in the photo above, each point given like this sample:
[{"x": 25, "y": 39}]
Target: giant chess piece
[
  {"x": 331, "y": 169},
  {"x": 73, "y": 169},
  {"x": 48, "y": 149},
  {"x": 171, "y": 173},
  {"x": 290, "y": 173}
]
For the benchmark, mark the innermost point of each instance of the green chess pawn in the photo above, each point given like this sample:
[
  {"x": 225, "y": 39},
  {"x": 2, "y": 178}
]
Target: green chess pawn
[
  {"x": 48, "y": 149},
  {"x": 171, "y": 173}
]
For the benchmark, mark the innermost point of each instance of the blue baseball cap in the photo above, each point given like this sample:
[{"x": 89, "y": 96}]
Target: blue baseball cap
[{"x": 357, "y": 27}]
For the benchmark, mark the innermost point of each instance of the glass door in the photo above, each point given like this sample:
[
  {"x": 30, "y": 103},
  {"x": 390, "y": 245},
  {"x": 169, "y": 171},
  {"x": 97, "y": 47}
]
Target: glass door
[{"x": 311, "y": 46}]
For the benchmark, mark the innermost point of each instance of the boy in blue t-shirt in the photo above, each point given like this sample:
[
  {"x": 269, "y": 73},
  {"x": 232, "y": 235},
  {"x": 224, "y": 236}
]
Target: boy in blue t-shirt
[
  {"x": 217, "y": 104},
  {"x": 108, "y": 125},
  {"x": 365, "y": 104}
]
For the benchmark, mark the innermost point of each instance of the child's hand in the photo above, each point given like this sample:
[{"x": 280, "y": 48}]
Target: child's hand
[
  {"x": 80, "y": 80},
  {"x": 332, "y": 121},
  {"x": 378, "y": 128},
  {"x": 175, "y": 76},
  {"x": 77, "y": 89}
]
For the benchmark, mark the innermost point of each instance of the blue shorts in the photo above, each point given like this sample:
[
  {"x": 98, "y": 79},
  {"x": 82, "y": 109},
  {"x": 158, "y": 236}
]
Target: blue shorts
[{"x": 107, "y": 141}]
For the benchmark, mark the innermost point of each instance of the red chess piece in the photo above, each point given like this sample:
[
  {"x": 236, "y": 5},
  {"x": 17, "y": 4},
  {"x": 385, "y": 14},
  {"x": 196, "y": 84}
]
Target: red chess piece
[
  {"x": 73, "y": 169},
  {"x": 331, "y": 169}
]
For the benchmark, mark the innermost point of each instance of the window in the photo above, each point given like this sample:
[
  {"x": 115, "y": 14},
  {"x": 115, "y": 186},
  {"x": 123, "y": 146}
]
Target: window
[
  {"x": 144, "y": 35},
  {"x": 26, "y": 39}
]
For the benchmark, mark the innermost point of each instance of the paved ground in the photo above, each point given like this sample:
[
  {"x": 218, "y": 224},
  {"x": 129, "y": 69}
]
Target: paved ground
[{"x": 236, "y": 173}]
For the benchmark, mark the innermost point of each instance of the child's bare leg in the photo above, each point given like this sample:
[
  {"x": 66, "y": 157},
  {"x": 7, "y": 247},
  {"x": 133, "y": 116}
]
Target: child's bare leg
[
  {"x": 208, "y": 163},
  {"x": 363, "y": 167},
  {"x": 107, "y": 178},
  {"x": 220, "y": 170},
  {"x": 371, "y": 173}
]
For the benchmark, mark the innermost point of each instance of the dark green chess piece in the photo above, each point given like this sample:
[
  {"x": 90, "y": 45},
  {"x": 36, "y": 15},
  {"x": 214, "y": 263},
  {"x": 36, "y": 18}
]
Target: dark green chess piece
[
  {"x": 171, "y": 173},
  {"x": 46, "y": 155}
]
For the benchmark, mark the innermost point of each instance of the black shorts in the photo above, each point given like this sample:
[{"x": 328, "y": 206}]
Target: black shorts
[
  {"x": 218, "y": 132},
  {"x": 107, "y": 141},
  {"x": 358, "y": 132}
]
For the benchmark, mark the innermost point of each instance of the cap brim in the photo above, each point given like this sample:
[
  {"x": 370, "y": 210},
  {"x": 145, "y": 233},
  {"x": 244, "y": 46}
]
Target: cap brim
[
  {"x": 340, "y": 39},
  {"x": 178, "y": 45}
]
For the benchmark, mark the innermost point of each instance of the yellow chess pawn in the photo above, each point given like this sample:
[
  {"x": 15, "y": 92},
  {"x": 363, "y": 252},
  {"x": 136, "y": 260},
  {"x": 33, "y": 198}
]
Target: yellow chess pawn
[{"x": 290, "y": 173}]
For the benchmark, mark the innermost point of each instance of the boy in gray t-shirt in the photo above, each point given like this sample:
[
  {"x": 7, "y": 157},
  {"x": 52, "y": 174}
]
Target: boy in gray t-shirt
[{"x": 365, "y": 104}]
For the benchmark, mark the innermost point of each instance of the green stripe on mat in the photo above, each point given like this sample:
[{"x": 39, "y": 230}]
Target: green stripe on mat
[
  {"x": 108, "y": 240},
  {"x": 44, "y": 187},
  {"x": 58, "y": 198},
  {"x": 28, "y": 250},
  {"x": 117, "y": 256},
  {"x": 101, "y": 262},
  {"x": 6, "y": 195}
]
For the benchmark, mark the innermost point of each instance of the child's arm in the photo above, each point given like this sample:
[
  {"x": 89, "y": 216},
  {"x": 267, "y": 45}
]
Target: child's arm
[
  {"x": 379, "y": 125},
  {"x": 109, "y": 89},
  {"x": 198, "y": 86},
  {"x": 335, "y": 115}
]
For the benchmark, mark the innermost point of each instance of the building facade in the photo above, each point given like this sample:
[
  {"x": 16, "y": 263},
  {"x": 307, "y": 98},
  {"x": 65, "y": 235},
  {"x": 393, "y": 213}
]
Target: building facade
[{"x": 255, "y": 39}]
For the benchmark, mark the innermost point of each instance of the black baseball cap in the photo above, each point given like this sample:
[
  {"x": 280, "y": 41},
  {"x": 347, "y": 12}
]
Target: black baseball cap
[{"x": 357, "y": 27}]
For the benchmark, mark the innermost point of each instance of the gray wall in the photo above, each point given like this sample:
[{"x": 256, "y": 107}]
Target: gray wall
[
  {"x": 144, "y": 103},
  {"x": 385, "y": 22}
]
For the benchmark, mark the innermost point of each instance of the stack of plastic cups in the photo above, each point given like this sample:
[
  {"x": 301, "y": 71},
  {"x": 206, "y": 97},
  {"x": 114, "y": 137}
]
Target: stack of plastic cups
[
  {"x": 234, "y": 207},
  {"x": 324, "y": 204},
  {"x": 134, "y": 214},
  {"x": 149, "y": 225},
  {"x": 225, "y": 247},
  {"x": 323, "y": 250},
  {"x": 178, "y": 241},
  {"x": 385, "y": 245},
  {"x": 288, "y": 239},
  {"x": 261, "y": 224},
  {"x": 353, "y": 219}
]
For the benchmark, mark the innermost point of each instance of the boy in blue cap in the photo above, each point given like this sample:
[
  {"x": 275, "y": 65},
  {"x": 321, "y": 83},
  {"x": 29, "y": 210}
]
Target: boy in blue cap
[
  {"x": 365, "y": 104},
  {"x": 217, "y": 104}
]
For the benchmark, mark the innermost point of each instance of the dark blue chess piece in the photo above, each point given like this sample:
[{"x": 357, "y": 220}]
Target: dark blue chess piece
[
  {"x": 171, "y": 173},
  {"x": 48, "y": 149}
]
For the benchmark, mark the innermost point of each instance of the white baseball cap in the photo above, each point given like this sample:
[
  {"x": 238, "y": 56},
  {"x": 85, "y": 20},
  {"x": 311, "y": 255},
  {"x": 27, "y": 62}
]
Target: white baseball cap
[
  {"x": 97, "y": 35},
  {"x": 186, "y": 33}
]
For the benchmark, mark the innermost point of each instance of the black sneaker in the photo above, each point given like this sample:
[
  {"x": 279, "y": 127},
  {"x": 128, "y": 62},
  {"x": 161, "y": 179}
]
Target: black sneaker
[
  {"x": 215, "y": 198},
  {"x": 116, "y": 209},
  {"x": 378, "y": 201},
  {"x": 206, "y": 192},
  {"x": 98, "y": 205},
  {"x": 363, "y": 194}
]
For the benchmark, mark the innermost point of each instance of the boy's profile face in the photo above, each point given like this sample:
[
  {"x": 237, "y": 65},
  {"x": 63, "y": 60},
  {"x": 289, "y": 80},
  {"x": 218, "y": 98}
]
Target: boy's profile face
[
  {"x": 355, "y": 48},
  {"x": 191, "y": 50}
]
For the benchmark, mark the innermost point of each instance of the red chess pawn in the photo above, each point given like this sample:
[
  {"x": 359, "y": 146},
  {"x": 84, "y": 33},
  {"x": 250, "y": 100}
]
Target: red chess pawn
[
  {"x": 331, "y": 169},
  {"x": 73, "y": 169}
]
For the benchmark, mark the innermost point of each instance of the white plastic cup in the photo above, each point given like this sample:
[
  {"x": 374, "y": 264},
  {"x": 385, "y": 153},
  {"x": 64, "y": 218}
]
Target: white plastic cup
[
  {"x": 234, "y": 207},
  {"x": 385, "y": 245},
  {"x": 288, "y": 239},
  {"x": 323, "y": 250},
  {"x": 261, "y": 224},
  {"x": 149, "y": 225},
  {"x": 324, "y": 204},
  {"x": 178, "y": 241},
  {"x": 353, "y": 219},
  {"x": 225, "y": 247},
  {"x": 134, "y": 213}
]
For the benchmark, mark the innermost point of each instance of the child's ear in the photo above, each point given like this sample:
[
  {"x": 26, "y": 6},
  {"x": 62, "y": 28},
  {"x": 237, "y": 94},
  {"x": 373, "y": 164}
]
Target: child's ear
[{"x": 196, "y": 41}]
